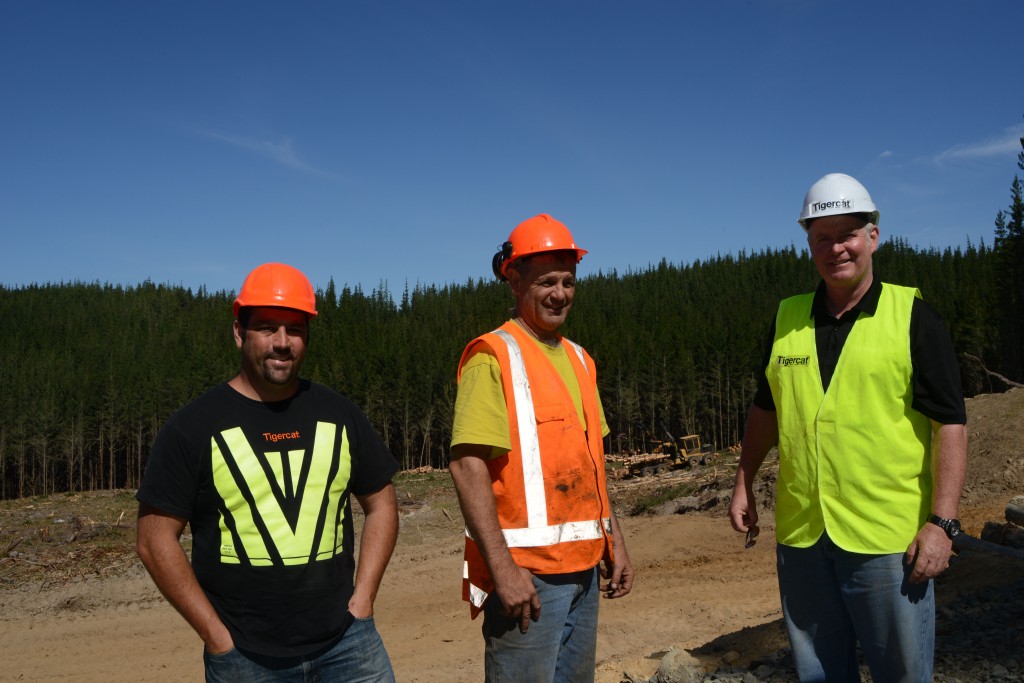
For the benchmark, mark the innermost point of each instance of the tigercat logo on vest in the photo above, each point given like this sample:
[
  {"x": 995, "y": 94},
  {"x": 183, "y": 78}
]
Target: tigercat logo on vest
[
  {"x": 786, "y": 361},
  {"x": 281, "y": 507}
]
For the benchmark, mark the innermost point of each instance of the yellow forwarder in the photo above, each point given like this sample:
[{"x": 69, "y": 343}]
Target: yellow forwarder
[{"x": 686, "y": 451}]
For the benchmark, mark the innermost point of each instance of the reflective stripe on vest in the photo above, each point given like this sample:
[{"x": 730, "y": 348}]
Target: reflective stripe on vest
[
  {"x": 477, "y": 595},
  {"x": 538, "y": 532},
  {"x": 529, "y": 444}
]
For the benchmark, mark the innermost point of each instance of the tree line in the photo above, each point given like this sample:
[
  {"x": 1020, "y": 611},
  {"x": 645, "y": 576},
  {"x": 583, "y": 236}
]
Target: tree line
[{"x": 91, "y": 371}]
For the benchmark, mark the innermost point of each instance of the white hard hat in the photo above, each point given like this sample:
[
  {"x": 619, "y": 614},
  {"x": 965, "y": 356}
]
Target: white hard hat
[{"x": 834, "y": 194}]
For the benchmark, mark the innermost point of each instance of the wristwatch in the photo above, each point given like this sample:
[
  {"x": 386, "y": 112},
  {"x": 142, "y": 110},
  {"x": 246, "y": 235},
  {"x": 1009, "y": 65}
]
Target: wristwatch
[{"x": 950, "y": 526}]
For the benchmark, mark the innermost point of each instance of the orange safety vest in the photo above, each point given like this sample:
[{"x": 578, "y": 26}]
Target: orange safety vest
[{"x": 549, "y": 489}]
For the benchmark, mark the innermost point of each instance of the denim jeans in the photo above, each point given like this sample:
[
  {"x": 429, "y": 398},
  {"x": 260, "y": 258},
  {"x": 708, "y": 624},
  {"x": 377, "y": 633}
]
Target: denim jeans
[
  {"x": 832, "y": 598},
  {"x": 560, "y": 647},
  {"x": 358, "y": 657}
]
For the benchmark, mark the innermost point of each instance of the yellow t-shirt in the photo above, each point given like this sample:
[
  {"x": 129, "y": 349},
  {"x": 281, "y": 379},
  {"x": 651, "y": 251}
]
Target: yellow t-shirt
[{"x": 480, "y": 413}]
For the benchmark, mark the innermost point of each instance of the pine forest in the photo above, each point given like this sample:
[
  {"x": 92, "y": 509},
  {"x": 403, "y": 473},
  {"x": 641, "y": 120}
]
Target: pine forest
[{"x": 91, "y": 371}]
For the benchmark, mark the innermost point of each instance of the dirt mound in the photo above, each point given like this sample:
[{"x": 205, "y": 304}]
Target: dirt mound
[
  {"x": 995, "y": 458},
  {"x": 996, "y": 448}
]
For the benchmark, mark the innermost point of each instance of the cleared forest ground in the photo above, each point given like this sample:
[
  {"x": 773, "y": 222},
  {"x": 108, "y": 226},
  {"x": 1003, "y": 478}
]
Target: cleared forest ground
[{"x": 76, "y": 603}]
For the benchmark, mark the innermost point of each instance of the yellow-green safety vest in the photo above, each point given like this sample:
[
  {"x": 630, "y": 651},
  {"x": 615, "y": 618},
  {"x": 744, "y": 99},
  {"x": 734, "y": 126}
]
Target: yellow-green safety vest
[{"x": 854, "y": 460}]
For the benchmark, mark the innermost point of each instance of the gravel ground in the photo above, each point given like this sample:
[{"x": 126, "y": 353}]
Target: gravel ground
[{"x": 978, "y": 633}]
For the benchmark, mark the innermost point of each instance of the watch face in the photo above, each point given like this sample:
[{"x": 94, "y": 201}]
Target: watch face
[{"x": 950, "y": 526}]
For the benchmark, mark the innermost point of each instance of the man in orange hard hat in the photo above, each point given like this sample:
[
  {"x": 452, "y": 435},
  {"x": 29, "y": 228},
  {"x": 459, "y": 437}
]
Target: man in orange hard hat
[
  {"x": 528, "y": 466},
  {"x": 261, "y": 467}
]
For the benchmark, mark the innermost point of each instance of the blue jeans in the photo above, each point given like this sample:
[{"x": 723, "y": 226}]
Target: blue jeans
[
  {"x": 560, "y": 647},
  {"x": 358, "y": 656},
  {"x": 832, "y": 598}
]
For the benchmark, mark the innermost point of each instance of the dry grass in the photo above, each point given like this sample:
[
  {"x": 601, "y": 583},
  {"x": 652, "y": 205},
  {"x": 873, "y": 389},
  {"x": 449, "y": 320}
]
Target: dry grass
[
  {"x": 57, "y": 539},
  {"x": 61, "y": 537}
]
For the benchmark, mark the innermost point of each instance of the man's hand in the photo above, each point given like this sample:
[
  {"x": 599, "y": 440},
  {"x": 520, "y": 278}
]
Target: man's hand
[
  {"x": 360, "y": 608},
  {"x": 929, "y": 553},
  {"x": 219, "y": 647},
  {"x": 743, "y": 509},
  {"x": 761, "y": 434},
  {"x": 518, "y": 596},
  {"x": 620, "y": 573}
]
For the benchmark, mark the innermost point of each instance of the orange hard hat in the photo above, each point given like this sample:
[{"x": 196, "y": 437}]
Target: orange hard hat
[
  {"x": 277, "y": 284},
  {"x": 534, "y": 236}
]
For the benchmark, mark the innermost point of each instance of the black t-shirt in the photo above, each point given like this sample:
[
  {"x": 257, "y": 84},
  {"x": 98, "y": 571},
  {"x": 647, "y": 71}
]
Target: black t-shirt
[
  {"x": 937, "y": 391},
  {"x": 265, "y": 487}
]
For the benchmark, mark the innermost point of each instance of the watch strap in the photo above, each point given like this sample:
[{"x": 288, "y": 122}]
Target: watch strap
[{"x": 950, "y": 526}]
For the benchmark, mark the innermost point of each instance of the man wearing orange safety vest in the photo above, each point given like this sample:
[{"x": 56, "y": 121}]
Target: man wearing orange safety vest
[{"x": 528, "y": 465}]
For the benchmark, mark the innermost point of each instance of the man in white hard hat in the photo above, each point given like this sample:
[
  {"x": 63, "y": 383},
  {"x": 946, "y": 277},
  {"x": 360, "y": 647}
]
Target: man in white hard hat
[{"x": 862, "y": 395}]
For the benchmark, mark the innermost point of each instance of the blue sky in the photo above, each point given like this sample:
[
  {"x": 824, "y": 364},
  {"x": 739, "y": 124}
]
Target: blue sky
[{"x": 400, "y": 142}]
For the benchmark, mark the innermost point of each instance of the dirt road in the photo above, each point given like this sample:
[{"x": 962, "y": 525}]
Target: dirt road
[{"x": 695, "y": 582}]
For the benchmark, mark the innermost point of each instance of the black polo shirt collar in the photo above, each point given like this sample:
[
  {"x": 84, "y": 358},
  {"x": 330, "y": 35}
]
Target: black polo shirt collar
[{"x": 867, "y": 304}]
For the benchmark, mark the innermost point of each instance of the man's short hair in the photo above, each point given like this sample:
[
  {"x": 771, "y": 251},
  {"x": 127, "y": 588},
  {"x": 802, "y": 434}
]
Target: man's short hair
[
  {"x": 866, "y": 217},
  {"x": 520, "y": 263},
  {"x": 245, "y": 317}
]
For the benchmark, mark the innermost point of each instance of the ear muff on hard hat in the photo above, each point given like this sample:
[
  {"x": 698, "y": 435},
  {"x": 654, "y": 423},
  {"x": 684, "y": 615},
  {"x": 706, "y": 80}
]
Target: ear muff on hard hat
[
  {"x": 835, "y": 194},
  {"x": 534, "y": 236},
  {"x": 504, "y": 251},
  {"x": 277, "y": 284}
]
